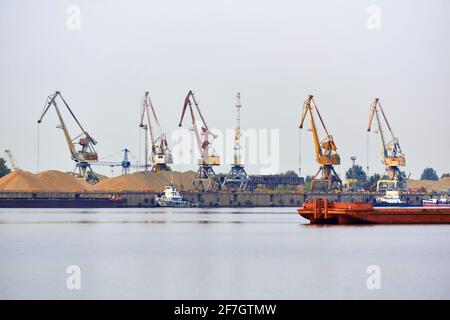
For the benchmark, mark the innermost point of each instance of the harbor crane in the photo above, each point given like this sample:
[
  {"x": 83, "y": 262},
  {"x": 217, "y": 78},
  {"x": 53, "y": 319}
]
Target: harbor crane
[
  {"x": 160, "y": 155},
  {"x": 11, "y": 160},
  {"x": 237, "y": 179},
  {"x": 205, "y": 179},
  {"x": 125, "y": 163},
  {"x": 393, "y": 157},
  {"x": 86, "y": 155},
  {"x": 326, "y": 154}
]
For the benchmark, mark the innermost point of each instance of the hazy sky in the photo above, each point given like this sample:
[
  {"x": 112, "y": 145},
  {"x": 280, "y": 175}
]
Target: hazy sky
[{"x": 274, "y": 52}]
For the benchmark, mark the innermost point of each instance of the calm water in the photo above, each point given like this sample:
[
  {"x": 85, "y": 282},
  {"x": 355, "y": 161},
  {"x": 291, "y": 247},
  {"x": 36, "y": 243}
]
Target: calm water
[{"x": 214, "y": 254}]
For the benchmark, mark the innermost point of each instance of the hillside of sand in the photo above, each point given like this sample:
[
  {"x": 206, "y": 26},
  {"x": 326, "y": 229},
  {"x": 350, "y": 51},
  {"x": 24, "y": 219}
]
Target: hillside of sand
[
  {"x": 430, "y": 185},
  {"x": 146, "y": 181},
  {"x": 51, "y": 180}
]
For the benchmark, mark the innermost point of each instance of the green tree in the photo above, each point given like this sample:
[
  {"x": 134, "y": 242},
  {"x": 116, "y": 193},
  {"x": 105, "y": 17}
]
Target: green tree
[
  {"x": 291, "y": 173},
  {"x": 373, "y": 180},
  {"x": 356, "y": 172},
  {"x": 4, "y": 170},
  {"x": 429, "y": 174},
  {"x": 307, "y": 185},
  {"x": 402, "y": 175},
  {"x": 445, "y": 175}
]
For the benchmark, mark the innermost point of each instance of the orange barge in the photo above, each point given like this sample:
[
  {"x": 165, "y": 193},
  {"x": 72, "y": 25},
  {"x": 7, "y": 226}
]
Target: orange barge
[{"x": 324, "y": 211}]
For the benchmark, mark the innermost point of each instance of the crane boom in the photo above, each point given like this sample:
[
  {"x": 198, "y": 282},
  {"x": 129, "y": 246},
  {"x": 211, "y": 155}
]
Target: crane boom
[
  {"x": 69, "y": 141},
  {"x": 144, "y": 113},
  {"x": 307, "y": 109},
  {"x": 11, "y": 160},
  {"x": 187, "y": 102}
]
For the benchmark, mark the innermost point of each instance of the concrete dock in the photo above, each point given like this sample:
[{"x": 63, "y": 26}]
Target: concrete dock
[{"x": 100, "y": 199}]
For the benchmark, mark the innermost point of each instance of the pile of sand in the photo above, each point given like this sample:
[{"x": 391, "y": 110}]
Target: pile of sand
[
  {"x": 45, "y": 181},
  {"x": 430, "y": 185},
  {"x": 64, "y": 181},
  {"x": 146, "y": 181},
  {"x": 100, "y": 177},
  {"x": 181, "y": 179}
]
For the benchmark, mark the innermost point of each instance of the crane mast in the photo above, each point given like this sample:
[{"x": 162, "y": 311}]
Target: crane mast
[
  {"x": 393, "y": 157},
  {"x": 160, "y": 154},
  {"x": 237, "y": 179},
  {"x": 326, "y": 154},
  {"x": 205, "y": 178},
  {"x": 87, "y": 154}
]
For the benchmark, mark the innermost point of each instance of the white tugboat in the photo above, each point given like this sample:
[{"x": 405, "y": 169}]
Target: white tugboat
[
  {"x": 390, "y": 199},
  {"x": 173, "y": 198}
]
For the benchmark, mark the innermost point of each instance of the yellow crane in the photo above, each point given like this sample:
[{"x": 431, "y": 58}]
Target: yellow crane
[
  {"x": 87, "y": 154},
  {"x": 393, "y": 157},
  {"x": 205, "y": 178},
  {"x": 326, "y": 154}
]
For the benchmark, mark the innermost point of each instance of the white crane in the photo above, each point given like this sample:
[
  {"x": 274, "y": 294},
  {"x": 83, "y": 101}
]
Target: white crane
[
  {"x": 160, "y": 155},
  {"x": 393, "y": 157}
]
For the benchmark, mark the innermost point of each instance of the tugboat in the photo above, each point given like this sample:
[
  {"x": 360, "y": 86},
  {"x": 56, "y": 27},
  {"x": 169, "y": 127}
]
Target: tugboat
[
  {"x": 436, "y": 202},
  {"x": 390, "y": 199},
  {"x": 173, "y": 198}
]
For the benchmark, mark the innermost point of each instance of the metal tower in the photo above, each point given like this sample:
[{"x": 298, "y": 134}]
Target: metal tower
[{"x": 237, "y": 179}]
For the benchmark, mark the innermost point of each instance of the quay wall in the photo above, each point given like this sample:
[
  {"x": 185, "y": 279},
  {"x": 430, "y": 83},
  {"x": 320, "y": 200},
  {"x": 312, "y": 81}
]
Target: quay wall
[{"x": 204, "y": 199}]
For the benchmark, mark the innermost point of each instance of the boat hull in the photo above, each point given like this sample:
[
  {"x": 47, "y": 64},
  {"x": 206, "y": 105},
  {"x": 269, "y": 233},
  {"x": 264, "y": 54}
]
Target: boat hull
[
  {"x": 323, "y": 211},
  {"x": 431, "y": 204},
  {"x": 176, "y": 205},
  {"x": 387, "y": 204}
]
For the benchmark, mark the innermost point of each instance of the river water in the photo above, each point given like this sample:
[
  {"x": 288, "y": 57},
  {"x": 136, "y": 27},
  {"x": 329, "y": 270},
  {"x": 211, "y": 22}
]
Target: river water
[{"x": 224, "y": 253}]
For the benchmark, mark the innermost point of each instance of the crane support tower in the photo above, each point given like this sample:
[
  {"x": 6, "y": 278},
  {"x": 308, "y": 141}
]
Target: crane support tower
[
  {"x": 86, "y": 155},
  {"x": 237, "y": 179},
  {"x": 393, "y": 157},
  {"x": 205, "y": 179},
  {"x": 160, "y": 155},
  {"x": 326, "y": 155}
]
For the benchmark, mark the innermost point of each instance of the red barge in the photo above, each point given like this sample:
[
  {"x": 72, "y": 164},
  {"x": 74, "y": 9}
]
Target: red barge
[{"x": 324, "y": 211}]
